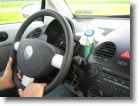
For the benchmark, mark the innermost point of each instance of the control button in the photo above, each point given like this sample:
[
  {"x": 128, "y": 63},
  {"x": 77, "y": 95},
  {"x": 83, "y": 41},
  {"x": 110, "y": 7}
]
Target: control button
[
  {"x": 98, "y": 81},
  {"x": 122, "y": 63},
  {"x": 126, "y": 55},
  {"x": 93, "y": 71},
  {"x": 109, "y": 77},
  {"x": 115, "y": 80},
  {"x": 107, "y": 70},
  {"x": 116, "y": 88},
  {"x": 123, "y": 91},
  {"x": 123, "y": 82},
  {"x": 94, "y": 92}
]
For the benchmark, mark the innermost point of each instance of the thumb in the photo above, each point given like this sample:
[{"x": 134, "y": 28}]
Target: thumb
[
  {"x": 9, "y": 64},
  {"x": 20, "y": 91},
  {"x": 44, "y": 84}
]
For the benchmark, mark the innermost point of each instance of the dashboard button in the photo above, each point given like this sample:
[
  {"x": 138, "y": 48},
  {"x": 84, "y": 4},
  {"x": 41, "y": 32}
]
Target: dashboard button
[
  {"x": 126, "y": 55},
  {"x": 93, "y": 71}
]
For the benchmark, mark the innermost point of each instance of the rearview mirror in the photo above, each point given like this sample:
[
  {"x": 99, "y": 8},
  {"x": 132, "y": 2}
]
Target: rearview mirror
[{"x": 29, "y": 9}]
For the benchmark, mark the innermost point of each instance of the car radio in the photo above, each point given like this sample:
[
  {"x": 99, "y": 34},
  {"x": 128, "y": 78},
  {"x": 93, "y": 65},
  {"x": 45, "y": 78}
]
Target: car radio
[{"x": 106, "y": 82}]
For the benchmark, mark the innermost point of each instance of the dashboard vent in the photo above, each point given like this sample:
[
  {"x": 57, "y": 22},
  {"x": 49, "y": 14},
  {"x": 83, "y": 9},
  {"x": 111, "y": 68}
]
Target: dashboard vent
[
  {"x": 36, "y": 33},
  {"x": 105, "y": 51}
]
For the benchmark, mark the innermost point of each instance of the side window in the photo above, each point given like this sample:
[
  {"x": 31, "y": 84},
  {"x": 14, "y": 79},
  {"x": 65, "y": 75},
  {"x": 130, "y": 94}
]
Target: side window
[{"x": 11, "y": 11}]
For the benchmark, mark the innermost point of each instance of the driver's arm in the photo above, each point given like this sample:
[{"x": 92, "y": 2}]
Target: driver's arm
[{"x": 6, "y": 81}]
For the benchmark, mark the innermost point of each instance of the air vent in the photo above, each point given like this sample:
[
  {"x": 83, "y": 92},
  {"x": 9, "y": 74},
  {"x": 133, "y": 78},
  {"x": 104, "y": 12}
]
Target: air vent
[
  {"x": 105, "y": 51},
  {"x": 36, "y": 33}
]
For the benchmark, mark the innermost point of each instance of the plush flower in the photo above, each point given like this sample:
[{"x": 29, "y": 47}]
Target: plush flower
[{"x": 87, "y": 38}]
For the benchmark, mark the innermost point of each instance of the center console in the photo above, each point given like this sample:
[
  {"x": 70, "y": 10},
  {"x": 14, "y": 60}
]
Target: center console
[{"x": 106, "y": 82}]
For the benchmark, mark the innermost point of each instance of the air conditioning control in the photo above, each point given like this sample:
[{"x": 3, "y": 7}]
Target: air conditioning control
[
  {"x": 93, "y": 71},
  {"x": 94, "y": 92}
]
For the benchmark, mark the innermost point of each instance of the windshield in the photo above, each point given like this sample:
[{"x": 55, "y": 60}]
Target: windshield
[{"x": 89, "y": 8}]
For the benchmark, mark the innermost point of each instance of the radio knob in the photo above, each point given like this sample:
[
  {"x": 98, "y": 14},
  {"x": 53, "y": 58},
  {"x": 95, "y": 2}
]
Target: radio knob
[
  {"x": 93, "y": 71},
  {"x": 94, "y": 92}
]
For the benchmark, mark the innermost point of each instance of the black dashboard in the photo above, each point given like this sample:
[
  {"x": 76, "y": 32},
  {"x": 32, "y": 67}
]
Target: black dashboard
[
  {"x": 109, "y": 66},
  {"x": 107, "y": 71}
]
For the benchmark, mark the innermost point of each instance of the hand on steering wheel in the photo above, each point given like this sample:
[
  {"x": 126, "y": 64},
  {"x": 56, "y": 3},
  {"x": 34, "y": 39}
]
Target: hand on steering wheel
[
  {"x": 35, "y": 57},
  {"x": 33, "y": 90}
]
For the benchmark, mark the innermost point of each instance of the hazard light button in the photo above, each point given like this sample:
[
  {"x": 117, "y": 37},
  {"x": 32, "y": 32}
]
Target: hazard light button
[{"x": 126, "y": 55}]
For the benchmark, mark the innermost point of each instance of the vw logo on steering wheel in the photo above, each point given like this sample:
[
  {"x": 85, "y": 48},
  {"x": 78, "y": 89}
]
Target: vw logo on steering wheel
[{"x": 28, "y": 52}]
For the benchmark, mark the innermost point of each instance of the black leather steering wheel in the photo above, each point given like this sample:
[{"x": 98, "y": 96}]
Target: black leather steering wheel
[{"x": 34, "y": 56}]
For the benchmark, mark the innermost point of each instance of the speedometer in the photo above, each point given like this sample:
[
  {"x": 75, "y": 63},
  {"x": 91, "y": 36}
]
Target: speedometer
[{"x": 61, "y": 40}]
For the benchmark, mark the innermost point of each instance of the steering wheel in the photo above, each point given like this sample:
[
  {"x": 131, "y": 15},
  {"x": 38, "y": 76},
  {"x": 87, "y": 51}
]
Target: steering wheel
[{"x": 35, "y": 57}]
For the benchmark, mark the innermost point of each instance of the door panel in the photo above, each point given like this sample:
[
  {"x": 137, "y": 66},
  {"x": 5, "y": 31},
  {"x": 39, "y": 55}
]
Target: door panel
[{"x": 4, "y": 55}]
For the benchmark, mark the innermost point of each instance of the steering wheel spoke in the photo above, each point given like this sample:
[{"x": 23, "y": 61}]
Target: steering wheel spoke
[
  {"x": 57, "y": 60},
  {"x": 26, "y": 80},
  {"x": 16, "y": 45}
]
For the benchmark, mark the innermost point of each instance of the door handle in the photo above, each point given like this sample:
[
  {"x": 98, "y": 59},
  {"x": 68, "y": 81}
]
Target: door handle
[{"x": 3, "y": 36}]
